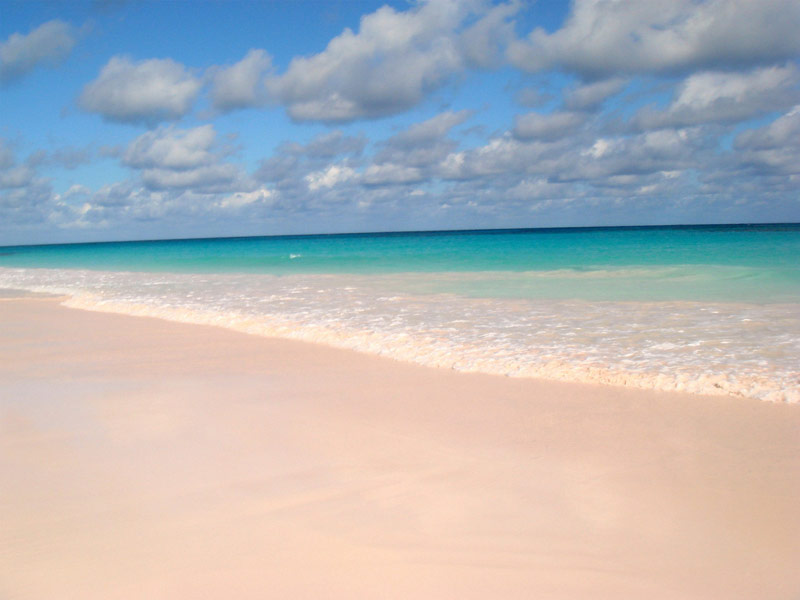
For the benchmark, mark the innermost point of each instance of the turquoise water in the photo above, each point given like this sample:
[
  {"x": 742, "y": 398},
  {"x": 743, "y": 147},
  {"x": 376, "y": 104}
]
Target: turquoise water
[
  {"x": 756, "y": 263},
  {"x": 708, "y": 309}
]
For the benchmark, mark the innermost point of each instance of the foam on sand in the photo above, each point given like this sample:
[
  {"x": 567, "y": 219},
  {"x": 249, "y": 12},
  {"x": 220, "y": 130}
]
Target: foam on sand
[{"x": 743, "y": 349}]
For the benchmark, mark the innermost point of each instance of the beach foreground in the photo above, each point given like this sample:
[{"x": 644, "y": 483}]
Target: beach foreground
[{"x": 141, "y": 458}]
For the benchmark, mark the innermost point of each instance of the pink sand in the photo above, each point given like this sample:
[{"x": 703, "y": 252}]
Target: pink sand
[{"x": 146, "y": 459}]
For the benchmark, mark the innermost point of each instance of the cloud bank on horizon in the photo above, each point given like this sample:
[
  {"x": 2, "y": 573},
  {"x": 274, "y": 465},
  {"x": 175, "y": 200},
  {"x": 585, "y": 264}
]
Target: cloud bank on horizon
[{"x": 433, "y": 114}]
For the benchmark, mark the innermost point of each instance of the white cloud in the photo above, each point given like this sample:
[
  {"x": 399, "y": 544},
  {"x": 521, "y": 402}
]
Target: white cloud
[
  {"x": 453, "y": 166},
  {"x": 591, "y": 95},
  {"x": 774, "y": 148},
  {"x": 329, "y": 177},
  {"x": 70, "y": 157},
  {"x": 328, "y": 145},
  {"x": 147, "y": 91},
  {"x": 394, "y": 60},
  {"x": 240, "y": 199},
  {"x": 500, "y": 156},
  {"x": 609, "y": 37},
  {"x": 581, "y": 160},
  {"x": 387, "y": 174},
  {"x": 704, "y": 90},
  {"x": 609, "y": 161},
  {"x": 16, "y": 177},
  {"x": 713, "y": 97},
  {"x": 118, "y": 194},
  {"x": 13, "y": 175},
  {"x": 241, "y": 85},
  {"x": 295, "y": 166},
  {"x": 51, "y": 42},
  {"x": 599, "y": 149},
  {"x": 422, "y": 145},
  {"x": 431, "y": 129},
  {"x": 171, "y": 158},
  {"x": 536, "y": 188},
  {"x": 210, "y": 178},
  {"x": 26, "y": 198},
  {"x": 532, "y": 97},
  {"x": 782, "y": 131},
  {"x": 482, "y": 42},
  {"x": 550, "y": 126},
  {"x": 77, "y": 189},
  {"x": 171, "y": 148}
]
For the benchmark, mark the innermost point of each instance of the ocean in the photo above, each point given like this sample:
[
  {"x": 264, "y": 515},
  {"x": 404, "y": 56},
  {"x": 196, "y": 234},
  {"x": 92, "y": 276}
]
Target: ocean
[{"x": 705, "y": 309}]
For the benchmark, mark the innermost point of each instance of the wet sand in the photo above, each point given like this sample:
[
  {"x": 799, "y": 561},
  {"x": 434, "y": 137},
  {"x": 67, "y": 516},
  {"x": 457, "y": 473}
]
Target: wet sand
[{"x": 146, "y": 459}]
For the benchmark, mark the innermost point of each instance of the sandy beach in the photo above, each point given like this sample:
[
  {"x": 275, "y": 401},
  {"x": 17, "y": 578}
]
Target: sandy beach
[{"x": 141, "y": 458}]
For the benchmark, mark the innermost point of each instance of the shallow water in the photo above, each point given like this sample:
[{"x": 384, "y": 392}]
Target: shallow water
[{"x": 707, "y": 310}]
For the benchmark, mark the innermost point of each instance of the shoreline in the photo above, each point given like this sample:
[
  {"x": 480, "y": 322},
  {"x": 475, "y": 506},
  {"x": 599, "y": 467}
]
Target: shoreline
[
  {"x": 588, "y": 349},
  {"x": 161, "y": 459}
]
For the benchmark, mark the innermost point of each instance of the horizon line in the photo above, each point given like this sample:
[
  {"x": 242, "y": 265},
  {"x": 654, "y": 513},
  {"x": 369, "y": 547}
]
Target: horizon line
[{"x": 487, "y": 230}]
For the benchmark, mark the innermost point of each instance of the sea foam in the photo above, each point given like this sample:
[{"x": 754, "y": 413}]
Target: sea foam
[{"x": 742, "y": 349}]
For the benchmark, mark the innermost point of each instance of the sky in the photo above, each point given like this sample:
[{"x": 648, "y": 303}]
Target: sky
[{"x": 149, "y": 120}]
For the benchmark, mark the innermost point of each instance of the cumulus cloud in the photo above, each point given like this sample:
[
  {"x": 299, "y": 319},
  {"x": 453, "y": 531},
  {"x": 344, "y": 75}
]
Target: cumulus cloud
[
  {"x": 148, "y": 91},
  {"x": 328, "y": 145},
  {"x": 332, "y": 169},
  {"x": 782, "y": 131},
  {"x": 207, "y": 178},
  {"x": 26, "y": 198},
  {"x": 112, "y": 204},
  {"x": 551, "y": 126},
  {"x": 321, "y": 179},
  {"x": 586, "y": 161},
  {"x": 49, "y": 43},
  {"x": 329, "y": 177},
  {"x": 294, "y": 166},
  {"x": 500, "y": 156},
  {"x": 652, "y": 152},
  {"x": 238, "y": 200},
  {"x": 278, "y": 169},
  {"x": 390, "y": 64},
  {"x": 171, "y": 148},
  {"x": 420, "y": 146},
  {"x": 773, "y": 148},
  {"x": 389, "y": 173},
  {"x": 172, "y": 158},
  {"x": 23, "y": 206},
  {"x": 127, "y": 204},
  {"x": 714, "y": 97},
  {"x": 537, "y": 188},
  {"x": 608, "y": 37},
  {"x": 483, "y": 42},
  {"x": 70, "y": 157},
  {"x": 532, "y": 98},
  {"x": 116, "y": 194},
  {"x": 430, "y": 130},
  {"x": 581, "y": 178},
  {"x": 158, "y": 211},
  {"x": 12, "y": 174},
  {"x": 17, "y": 176},
  {"x": 591, "y": 95},
  {"x": 240, "y": 85}
]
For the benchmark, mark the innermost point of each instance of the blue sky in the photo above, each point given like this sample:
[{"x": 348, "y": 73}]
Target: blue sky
[{"x": 134, "y": 120}]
